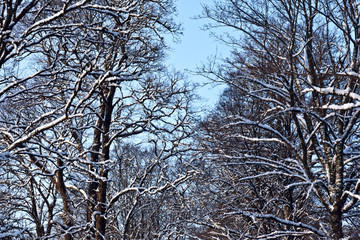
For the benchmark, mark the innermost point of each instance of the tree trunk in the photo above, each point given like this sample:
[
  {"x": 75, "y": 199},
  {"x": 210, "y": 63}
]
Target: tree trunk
[
  {"x": 336, "y": 231},
  {"x": 60, "y": 185},
  {"x": 101, "y": 208},
  {"x": 105, "y": 155}
]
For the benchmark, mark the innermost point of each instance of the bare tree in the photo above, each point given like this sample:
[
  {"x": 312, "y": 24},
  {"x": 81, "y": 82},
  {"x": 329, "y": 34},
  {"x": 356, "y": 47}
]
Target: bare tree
[
  {"x": 148, "y": 213},
  {"x": 96, "y": 80},
  {"x": 295, "y": 66}
]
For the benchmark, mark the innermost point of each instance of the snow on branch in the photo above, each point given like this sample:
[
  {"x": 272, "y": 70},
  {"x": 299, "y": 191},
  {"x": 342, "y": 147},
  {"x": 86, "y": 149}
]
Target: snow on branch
[
  {"x": 40, "y": 129},
  {"x": 356, "y": 196},
  {"x": 340, "y": 92},
  {"x": 281, "y": 139},
  {"x": 279, "y": 220},
  {"x": 12, "y": 234}
]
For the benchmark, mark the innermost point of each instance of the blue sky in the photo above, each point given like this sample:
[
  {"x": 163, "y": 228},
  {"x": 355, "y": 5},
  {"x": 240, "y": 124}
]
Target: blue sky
[{"x": 195, "y": 47}]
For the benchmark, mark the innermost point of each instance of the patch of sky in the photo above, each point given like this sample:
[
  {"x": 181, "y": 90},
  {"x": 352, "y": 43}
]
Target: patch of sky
[{"x": 196, "y": 48}]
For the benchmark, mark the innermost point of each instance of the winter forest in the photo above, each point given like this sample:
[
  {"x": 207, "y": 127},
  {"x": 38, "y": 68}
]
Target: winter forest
[{"x": 100, "y": 140}]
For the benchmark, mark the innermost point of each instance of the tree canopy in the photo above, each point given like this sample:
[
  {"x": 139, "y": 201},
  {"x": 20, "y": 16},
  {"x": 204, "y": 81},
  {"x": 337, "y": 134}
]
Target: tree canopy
[{"x": 100, "y": 141}]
